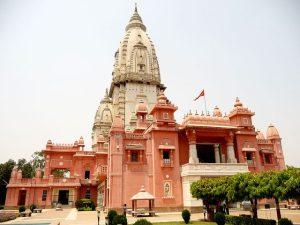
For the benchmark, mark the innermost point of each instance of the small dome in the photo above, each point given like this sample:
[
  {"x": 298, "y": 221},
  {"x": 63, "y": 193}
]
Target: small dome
[
  {"x": 260, "y": 135},
  {"x": 101, "y": 138},
  {"x": 49, "y": 142},
  {"x": 141, "y": 107},
  {"x": 217, "y": 112},
  {"x": 162, "y": 99},
  {"x": 238, "y": 103},
  {"x": 81, "y": 141},
  {"x": 272, "y": 132}
]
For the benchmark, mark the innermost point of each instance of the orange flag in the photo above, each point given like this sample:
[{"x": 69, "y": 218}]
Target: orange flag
[{"x": 200, "y": 95}]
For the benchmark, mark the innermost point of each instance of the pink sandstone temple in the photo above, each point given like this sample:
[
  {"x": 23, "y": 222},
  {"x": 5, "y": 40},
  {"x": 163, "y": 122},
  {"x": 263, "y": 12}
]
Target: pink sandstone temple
[{"x": 137, "y": 142}]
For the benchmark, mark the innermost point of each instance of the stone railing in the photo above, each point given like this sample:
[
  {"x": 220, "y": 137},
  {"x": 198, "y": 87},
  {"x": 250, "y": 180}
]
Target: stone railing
[
  {"x": 213, "y": 169},
  {"x": 89, "y": 181},
  {"x": 85, "y": 153},
  {"x": 36, "y": 182}
]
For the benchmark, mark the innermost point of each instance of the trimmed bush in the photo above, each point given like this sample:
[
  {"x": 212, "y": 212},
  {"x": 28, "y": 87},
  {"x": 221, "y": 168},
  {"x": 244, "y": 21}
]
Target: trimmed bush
[
  {"x": 32, "y": 207},
  {"x": 219, "y": 218},
  {"x": 142, "y": 222},
  {"x": 186, "y": 216},
  {"x": 111, "y": 214},
  {"x": 22, "y": 208},
  {"x": 285, "y": 221},
  {"x": 242, "y": 220},
  {"x": 79, "y": 204},
  {"x": 93, "y": 206},
  {"x": 7, "y": 216},
  {"x": 119, "y": 219},
  {"x": 85, "y": 205},
  {"x": 1, "y": 207}
]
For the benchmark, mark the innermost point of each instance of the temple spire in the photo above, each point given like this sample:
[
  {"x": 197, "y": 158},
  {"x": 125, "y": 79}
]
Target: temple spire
[{"x": 136, "y": 20}]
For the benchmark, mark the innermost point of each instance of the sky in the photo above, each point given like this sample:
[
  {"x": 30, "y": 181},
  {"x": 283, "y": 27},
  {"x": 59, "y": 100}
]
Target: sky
[{"x": 56, "y": 59}]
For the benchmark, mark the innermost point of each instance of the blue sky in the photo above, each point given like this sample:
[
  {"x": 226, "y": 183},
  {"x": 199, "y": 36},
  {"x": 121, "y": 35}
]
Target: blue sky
[{"x": 56, "y": 59}]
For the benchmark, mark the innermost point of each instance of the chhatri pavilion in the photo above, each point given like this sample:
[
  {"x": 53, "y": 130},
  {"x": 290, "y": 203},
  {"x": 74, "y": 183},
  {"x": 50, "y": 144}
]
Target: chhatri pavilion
[{"x": 137, "y": 142}]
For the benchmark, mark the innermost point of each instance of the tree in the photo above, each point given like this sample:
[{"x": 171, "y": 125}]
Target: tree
[
  {"x": 280, "y": 185},
  {"x": 38, "y": 160},
  {"x": 221, "y": 190},
  {"x": 292, "y": 184},
  {"x": 209, "y": 190},
  {"x": 26, "y": 167},
  {"x": 244, "y": 186},
  {"x": 5, "y": 172}
]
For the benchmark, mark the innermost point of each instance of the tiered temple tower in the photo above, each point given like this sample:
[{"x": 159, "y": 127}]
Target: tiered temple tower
[{"x": 135, "y": 78}]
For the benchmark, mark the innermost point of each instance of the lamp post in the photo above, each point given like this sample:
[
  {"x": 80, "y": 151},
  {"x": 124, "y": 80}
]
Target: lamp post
[{"x": 98, "y": 216}]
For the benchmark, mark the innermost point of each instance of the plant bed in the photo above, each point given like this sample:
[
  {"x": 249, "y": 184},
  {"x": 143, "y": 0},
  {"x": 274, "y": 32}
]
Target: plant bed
[{"x": 6, "y": 216}]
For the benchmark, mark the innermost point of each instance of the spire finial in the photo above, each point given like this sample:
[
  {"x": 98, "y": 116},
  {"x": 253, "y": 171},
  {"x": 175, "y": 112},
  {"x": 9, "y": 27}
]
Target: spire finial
[{"x": 135, "y": 7}]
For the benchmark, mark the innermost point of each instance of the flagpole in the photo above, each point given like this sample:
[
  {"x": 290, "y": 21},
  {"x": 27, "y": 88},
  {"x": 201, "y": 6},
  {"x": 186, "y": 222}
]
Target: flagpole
[{"x": 205, "y": 104}]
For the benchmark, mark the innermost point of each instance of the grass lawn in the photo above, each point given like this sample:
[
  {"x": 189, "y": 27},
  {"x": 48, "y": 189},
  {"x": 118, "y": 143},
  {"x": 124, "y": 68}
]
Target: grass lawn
[{"x": 182, "y": 223}]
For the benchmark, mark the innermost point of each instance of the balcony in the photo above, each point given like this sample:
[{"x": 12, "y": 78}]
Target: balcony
[
  {"x": 44, "y": 182},
  {"x": 166, "y": 163},
  {"x": 213, "y": 169},
  {"x": 88, "y": 182}
]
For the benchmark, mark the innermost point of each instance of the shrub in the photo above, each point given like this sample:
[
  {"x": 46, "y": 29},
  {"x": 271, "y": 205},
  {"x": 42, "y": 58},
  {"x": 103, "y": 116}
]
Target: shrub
[
  {"x": 7, "y": 216},
  {"x": 85, "y": 205},
  {"x": 93, "y": 206},
  {"x": 22, "y": 208},
  {"x": 111, "y": 214},
  {"x": 1, "y": 207},
  {"x": 285, "y": 221},
  {"x": 32, "y": 207},
  {"x": 142, "y": 222},
  {"x": 242, "y": 220},
  {"x": 79, "y": 204},
  {"x": 119, "y": 219},
  {"x": 186, "y": 215},
  {"x": 219, "y": 218}
]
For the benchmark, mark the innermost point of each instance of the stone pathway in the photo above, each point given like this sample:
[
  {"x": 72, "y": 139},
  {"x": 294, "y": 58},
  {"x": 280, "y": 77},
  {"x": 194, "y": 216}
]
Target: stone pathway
[{"x": 72, "y": 217}]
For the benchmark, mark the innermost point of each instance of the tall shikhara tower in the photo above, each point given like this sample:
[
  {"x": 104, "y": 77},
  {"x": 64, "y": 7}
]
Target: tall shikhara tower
[{"x": 135, "y": 79}]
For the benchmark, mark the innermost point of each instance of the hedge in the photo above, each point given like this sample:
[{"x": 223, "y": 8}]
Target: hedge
[{"x": 241, "y": 220}]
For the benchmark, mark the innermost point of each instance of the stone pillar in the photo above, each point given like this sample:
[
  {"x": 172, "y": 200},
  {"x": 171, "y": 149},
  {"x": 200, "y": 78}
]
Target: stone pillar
[
  {"x": 217, "y": 153},
  {"x": 193, "y": 158},
  {"x": 230, "y": 153}
]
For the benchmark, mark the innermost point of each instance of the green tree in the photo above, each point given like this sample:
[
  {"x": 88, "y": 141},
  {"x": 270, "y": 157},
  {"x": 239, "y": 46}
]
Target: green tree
[
  {"x": 244, "y": 186},
  {"x": 26, "y": 167},
  {"x": 280, "y": 185},
  {"x": 221, "y": 190},
  {"x": 291, "y": 188},
  {"x": 205, "y": 189},
  {"x": 38, "y": 160},
  {"x": 5, "y": 172}
]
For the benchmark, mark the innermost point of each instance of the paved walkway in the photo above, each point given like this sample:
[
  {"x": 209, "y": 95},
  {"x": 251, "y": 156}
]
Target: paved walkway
[{"x": 72, "y": 217}]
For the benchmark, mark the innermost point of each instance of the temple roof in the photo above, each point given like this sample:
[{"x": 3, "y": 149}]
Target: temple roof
[
  {"x": 142, "y": 195},
  {"x": 272, "y": 132},
  {"x": 207, "y": 121}
]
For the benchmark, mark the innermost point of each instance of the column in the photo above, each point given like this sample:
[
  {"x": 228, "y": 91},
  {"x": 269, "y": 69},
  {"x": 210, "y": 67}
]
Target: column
[
  {"x": 230, "y": 153},
  {"x": 217, "y": 153},
  {"x": 193, "y": 158}
]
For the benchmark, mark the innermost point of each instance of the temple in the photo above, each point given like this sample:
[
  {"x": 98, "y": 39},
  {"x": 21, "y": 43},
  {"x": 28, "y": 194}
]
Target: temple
[{"x": 137, "y": 142}]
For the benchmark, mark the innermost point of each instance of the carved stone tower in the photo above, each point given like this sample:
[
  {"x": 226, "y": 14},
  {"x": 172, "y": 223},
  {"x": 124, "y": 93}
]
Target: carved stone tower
[
  {"x": 136, "y": 75},
  {"x": 135, "y": 79}
]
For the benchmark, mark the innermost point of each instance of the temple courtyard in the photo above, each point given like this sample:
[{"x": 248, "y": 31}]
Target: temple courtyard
[{"x": 73, "y": 217}]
